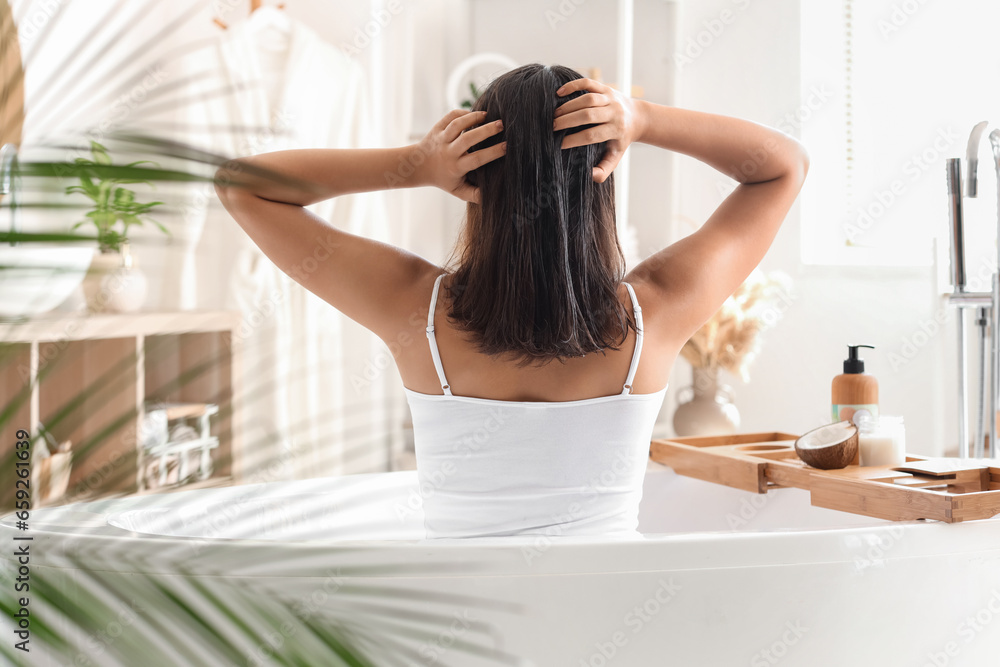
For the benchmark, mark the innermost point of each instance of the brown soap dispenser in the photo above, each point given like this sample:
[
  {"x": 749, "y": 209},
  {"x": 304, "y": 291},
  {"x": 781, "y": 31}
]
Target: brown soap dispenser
[{"x": 854, "y": 393}]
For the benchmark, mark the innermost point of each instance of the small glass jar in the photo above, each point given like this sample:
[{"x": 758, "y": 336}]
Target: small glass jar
[{"x": 881, "y": 441}]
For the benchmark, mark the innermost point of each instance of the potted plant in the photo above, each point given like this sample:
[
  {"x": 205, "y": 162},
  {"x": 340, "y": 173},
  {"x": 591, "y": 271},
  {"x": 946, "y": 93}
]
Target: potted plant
[{"x": 114, "y": 281}]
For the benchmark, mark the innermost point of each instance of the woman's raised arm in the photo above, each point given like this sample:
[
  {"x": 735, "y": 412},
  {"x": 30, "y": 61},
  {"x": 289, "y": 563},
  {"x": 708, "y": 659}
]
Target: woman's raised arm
[
  {"x": 309, "y": 175},
  {"x": 697, "y": 274},
  {"x": 369, "y": 281},
  {"x": 690, "y": 279}
]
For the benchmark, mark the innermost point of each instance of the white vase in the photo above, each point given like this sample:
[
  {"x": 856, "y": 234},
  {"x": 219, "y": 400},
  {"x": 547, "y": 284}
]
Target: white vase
[
  {"x": 709, "y": 409},
  {"x": 114, "y": 283}
]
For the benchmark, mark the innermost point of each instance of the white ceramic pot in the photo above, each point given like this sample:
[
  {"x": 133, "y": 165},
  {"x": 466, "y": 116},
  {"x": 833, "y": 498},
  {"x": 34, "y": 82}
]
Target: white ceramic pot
[
  {"x": 114, "y": 283},
  {"x": 709, "y": 409},
  {"x": 37, "y": 277}
]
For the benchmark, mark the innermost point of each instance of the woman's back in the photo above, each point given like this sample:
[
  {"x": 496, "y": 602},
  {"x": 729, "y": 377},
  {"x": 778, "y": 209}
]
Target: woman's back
[
  {"x": 491, "y": 467},
  {"x": 539, "y": 275}
]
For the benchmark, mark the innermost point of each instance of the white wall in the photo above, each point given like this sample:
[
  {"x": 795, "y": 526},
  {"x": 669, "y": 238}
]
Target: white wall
[{"x": 751, "y": 70}]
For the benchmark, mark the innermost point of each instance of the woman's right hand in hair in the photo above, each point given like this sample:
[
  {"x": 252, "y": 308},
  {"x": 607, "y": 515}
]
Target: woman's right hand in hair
[
  {"x": 617, "y": 119},
  {"x": 446, "y": 159}
]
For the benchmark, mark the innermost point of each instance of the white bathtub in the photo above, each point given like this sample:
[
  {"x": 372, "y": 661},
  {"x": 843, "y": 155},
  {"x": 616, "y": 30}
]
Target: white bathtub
[{"x": 721, "y": 577}]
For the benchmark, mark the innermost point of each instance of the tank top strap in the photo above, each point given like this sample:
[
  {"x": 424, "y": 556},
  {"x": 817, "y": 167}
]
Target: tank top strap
[
  {"x": 435, "y": 354},
  {"x": 627, "y": 389}
]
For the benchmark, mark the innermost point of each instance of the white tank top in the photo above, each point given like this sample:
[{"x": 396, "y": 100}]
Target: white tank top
[{"x": 488, "y": 467}]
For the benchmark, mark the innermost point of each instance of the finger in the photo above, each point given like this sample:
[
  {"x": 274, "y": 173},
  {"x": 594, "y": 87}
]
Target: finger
[
  {"x": 594, "y": 135},
  {"x": 588, "y": 116},
  {"x": 470, "y": 138},
  {"x": 588, "y": 100},
  {"x": 477, "y": 159},
  {"x": 467, "y": 192},
  {"x": 582, "y": 84},
  {"x": 448, "y": 117},
  {"x": 607, "y": 165},
  {"x": 462, "y": 123}
]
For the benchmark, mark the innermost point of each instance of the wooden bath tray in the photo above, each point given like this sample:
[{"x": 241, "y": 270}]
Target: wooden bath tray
[{"x": 944, "y": 489}]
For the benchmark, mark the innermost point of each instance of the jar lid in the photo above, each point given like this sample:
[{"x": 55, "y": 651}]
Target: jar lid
[
  {"x": 866, "y": 422},
  {"x": 869, "y": 424}
]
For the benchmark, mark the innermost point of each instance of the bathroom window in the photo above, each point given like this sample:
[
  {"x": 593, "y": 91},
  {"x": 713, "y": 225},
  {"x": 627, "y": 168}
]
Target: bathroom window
[{"x": 885, "y": 100}]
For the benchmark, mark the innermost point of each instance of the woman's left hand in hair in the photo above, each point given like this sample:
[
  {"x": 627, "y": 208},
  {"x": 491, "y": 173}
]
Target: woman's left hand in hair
[
  {"x": 616, "y": 118},
  {"x": 444, "y": 152}
]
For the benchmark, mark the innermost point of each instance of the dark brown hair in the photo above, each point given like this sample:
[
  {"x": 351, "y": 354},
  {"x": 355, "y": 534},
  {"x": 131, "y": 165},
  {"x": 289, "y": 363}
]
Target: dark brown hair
[{"x": 539, "y": 263}]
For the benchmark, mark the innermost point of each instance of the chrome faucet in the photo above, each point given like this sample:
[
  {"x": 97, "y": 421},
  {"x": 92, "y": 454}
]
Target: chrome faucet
[
  {"x": 8, "y": 170},
  {"x": 987, "y": 303}
]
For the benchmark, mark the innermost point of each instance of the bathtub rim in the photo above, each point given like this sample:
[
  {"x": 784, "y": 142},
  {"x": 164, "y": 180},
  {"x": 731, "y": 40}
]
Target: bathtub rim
[
  {"x": 108, "y": 548},
  {"x": 81, "y": 528}
]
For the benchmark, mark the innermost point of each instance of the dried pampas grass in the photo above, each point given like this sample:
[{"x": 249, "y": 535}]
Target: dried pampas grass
[{"x": 730, "y": 340}]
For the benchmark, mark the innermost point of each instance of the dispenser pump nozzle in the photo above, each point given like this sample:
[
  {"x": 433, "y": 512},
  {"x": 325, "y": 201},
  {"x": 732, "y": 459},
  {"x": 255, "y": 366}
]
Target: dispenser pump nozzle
[{"x": 853, "y": 364}]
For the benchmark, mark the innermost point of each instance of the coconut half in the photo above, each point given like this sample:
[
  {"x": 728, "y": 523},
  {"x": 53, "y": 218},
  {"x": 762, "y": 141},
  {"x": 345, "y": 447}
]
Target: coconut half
[{"x": 829, "y": 447}]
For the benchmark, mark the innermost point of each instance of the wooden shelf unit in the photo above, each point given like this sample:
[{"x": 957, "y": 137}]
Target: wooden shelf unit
[{"x": 86, "y": 378}]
